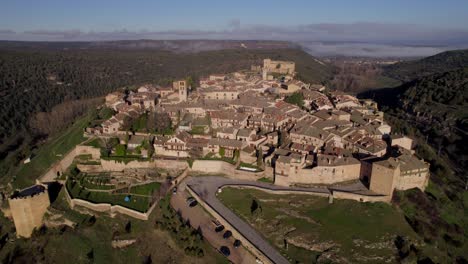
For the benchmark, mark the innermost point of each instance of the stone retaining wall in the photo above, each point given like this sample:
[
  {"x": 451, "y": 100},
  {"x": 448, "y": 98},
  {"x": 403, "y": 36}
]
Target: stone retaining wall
[
  {"x": 222, "y": 167},
  {"x": 361, "y": 197},
  {"x": 115, "y": 165},
  {"x": 280, "y": 192},
  {"x": 60, "y": 166},
  {"x": 89, "y": 168}
]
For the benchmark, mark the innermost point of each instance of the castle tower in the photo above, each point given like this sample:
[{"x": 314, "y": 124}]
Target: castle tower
[
  {"x": 28, "y": 207},
  {"x": 181, "y": 87},
  {"x": 182, "y": 94}
]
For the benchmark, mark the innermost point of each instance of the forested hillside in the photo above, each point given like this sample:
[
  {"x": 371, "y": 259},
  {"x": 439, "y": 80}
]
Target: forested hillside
[
  {"x": 35, "y": 80},
  {"x": 442, "y": 62},
  {"x": 434, "y": 111}
]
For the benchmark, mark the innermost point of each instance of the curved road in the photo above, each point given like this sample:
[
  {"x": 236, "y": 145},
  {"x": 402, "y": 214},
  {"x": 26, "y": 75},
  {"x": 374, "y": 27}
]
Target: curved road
[{"x": 206, "y": 188}]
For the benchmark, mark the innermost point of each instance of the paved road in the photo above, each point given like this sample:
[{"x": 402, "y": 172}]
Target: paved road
[
  {"x": 199, "y": 218},
  {"x": 206, "y": 188}
]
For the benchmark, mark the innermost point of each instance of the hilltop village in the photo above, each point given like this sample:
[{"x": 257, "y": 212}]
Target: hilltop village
[
  {"x": 323, "y": 137},
  {"x": 256, "y": 125}
]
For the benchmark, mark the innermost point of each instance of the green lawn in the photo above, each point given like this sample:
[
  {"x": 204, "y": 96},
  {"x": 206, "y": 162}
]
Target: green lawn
[
  {"x": 197, "y": 130},
  {"x": 347, "y": 226},
  {"x": 265, "y": 179},
  {"x": 97, "y": 143},
  {"x": 52, "y": 151},
  {"x": 146, "y": 189}
]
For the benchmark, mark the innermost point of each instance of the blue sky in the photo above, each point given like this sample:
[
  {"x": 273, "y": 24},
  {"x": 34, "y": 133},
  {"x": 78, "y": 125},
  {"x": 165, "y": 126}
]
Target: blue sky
[
  {"x": 103, "y": 15},
  {"x": 382, "y": 27}
]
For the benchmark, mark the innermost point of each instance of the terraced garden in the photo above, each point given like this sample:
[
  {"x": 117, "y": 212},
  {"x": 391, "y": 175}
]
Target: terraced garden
[{"x": 98, "y": 189}]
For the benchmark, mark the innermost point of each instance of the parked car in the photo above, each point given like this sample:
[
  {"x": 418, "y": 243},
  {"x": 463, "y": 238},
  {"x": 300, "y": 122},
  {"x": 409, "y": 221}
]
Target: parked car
[
  {"x": 191, "y": 202},
  {"x": 225, "y": 251},
  {"x": 219, "y": 228},
  {"x": 237, "y": 243},
  {"x": 227, "y": 234}
]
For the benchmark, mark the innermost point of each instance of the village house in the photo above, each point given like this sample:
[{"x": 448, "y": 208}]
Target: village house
[
  {"x": 314, "y": 100},
  {"x": 211, "y": 93},
  {"x": 228, "y": 145},
  {"x": 342, "y": 100},
  {"x": 228, "y": 119},
  {"x": 245, "y": 134},
  {"x": 174, "y": 146},
  {"x": 309, "y": 135},
  {"x": 135, "y": 141},
  {"x": 227, "y": 132}
]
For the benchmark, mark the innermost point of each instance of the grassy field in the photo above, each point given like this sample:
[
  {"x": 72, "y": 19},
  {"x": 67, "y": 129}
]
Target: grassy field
[
  {"x": 52, "y": 151},
  {"x": 90, "y": 241},
  {"x": 146, "y": 189},
  {"x": 314, "y": 229}
]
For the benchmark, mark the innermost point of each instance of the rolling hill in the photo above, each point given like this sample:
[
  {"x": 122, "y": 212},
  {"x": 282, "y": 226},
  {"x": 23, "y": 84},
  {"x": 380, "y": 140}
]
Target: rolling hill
[{"x": 442, "y": 62}]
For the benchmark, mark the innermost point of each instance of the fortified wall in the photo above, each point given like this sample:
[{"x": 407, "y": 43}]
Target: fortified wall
[
  {"x": 320, "y": 175},
  {"x": 115, "y": 165},
  {"x": 227, "y": 169},
  {"x": 60, "y": 166}
]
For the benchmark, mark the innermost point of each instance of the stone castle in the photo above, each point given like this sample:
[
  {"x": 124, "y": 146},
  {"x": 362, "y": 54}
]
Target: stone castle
[{"x": 28, "y": 207}]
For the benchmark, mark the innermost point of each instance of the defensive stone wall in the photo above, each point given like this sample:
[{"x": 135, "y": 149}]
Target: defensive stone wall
[
  {"x": 60, "y": 166},
  {"x": 115, "y": 165},
  {"x": 225, "y": 168},
  {"x": 321, "y": 175},
  {"x": 171, "y": 164}
]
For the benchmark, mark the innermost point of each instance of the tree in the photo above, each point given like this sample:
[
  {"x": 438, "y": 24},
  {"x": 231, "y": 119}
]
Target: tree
[
  {"x": 120, "y": 150},
  {"x": 222, "y": 151},
  {"x": 259, "y": 158},
  {"x": 159, "y": 122},
  {"x": 296, "y": 98},
  {"x": 128, "y": 227}
]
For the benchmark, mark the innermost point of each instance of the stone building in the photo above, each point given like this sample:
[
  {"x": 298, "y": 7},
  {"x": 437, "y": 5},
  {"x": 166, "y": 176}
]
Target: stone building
[
  {"x": 282, "y": 67},
  {"x": 296, "y": 169},
  {"x": 28, "y": 207},
  {"x": 180, "y": 86},
  {"x": 401, "y": 171}
]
